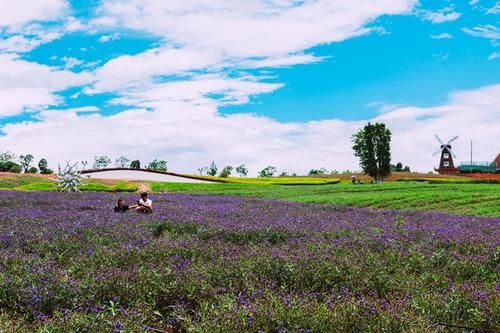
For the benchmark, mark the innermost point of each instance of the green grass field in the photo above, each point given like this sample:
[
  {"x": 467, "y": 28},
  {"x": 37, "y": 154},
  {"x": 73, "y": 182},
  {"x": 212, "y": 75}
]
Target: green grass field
[
  {"x": 39, "y": 183},
  {"x": 459, "y": 198}
]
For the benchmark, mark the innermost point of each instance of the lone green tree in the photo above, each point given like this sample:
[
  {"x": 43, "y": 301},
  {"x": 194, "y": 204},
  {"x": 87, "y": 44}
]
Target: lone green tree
[
  {"x": 269, "y": 171},
  {"x": 158, "y": 165},
  {"x": 212, "y": 169},
  {"x": 101, "y": 162},
  {"x": 226, "y": 171},
  {"x": 122, "y": 162},
  {"x": 26, "y": 161},
  {"x": 242, "y": 170},
  {"x": 372, "y": 145},
  {"x": 43, "y": 166},
  {"x": 135, "y": 164}
]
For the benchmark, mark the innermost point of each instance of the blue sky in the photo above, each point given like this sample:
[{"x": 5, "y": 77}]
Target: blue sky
[{"x": 247, "y": 65}]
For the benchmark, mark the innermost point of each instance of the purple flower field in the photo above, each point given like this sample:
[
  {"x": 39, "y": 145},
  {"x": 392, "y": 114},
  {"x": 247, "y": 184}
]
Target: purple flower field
[{"x": 68, "y": 263}]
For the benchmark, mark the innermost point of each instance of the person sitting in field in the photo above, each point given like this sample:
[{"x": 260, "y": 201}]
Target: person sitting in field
[
  {"x": 144, "y": 205},
  {"x": 121, "y": 207}
]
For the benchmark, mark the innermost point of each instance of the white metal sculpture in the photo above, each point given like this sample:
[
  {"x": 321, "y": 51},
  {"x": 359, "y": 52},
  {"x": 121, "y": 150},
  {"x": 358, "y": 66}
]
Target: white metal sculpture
[{"x": 69, "y": 178}]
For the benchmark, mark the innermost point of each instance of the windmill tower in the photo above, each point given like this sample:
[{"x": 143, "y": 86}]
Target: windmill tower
[{"x": 446, "y": 165}]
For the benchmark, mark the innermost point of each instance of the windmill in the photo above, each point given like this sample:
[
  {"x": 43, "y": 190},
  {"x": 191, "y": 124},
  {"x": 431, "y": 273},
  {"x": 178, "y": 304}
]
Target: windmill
[{"x": 446, "y": 165}]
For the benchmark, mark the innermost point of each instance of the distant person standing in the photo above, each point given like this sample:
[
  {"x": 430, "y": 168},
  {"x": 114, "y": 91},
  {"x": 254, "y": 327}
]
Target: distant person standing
[
  {"x": 353, "y": 179},
  {"x": 144, "y": 204}
]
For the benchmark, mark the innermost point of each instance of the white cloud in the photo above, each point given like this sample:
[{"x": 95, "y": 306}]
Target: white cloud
[
  {"x": 494, "y": 55},
  {"x": 126, "y": 70},
  {"x": 485, "y": 31},
  {"x": 197, "y": 91},
  {"x": 495, "y": 9},
  {"x": 22, "y": 44},
  {"x": 285, "y": 61},
  {"x": 109, "y": 38},
  {"x": 29, "y": 86},
  {"x": 442, "y": 36},
  {"x": 16, "y": 13},
  {"x": 441, "y": 16},
  {"x": 243, "y": 28},
  {"x": 189, "y": 140},
  {"x": 70, "y": 62}
]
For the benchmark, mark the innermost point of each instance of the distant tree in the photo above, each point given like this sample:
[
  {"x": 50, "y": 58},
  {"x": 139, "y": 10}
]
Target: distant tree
[
  {"x": 242, "y": 170},
  {"x": 84, "y": 164},
  {"x": 202, "y": 170},
  {"x": 122, "y": 162},
  {"x": 399, "y": 167},
  {"x": 284, "y": 174},
  {"x": 101, "y": 162},
  {"x": 372, "y": 145},
  {"x": 334, "y": 172},
  {"x": 25, "y": 161},
  {"x": 15, "y": 168},
  {"x": 33, "y": 170},
  {"x": 7, "y": 156},
  {"x": 318, "y": 172},
  {"x": 135, "y": 164},
  {"x": 158, "y": 165},
  {"x": 43, "y": 166},
  {"x": 268, "y": 171},
  {"x": 7, "y": 166},
  {"x": 226, "y": 171},
  {"x": 212, "y": 169}
]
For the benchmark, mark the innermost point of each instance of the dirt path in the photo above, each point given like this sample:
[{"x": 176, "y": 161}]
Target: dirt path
[{"x": 143, "y": 187}]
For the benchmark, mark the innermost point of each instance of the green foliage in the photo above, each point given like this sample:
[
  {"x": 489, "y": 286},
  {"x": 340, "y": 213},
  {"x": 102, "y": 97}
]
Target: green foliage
[
  {"x": 318, "y": 172},
  {"x": 226, "y": 171},
  {"x": 101, "y": 162},
  {"x": 32, "y": 170},
  {"x": 135, "y": 164},
  {"x": 269, "y": 171},
  {"x": 212, "y": 169},
  {"x": 158, "y": 165},
  {"x": 372, "y": 146},
  {"x": 122, "y": 162},
  {"x": 43, "y": 166},
  {"x": 15, "y": 168},
  {"x": 398, "y": 167},
  {"x": 242, "y": 170},
  {"x": 7, "y": 166},
  {"x": 25, "y": 161}
]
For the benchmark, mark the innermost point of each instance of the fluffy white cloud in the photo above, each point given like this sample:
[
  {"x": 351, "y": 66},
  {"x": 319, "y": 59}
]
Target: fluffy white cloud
[
  {"x": 249, "y": 28},
  {"x": 485, "y": 31},
  {"x": 29, "y": 86},
  {"x": 16, "y": 13},
  {"x": 212, "y": 90},
  {"x": 189, "y": 139},
  {"x": 443, "y": 15}
]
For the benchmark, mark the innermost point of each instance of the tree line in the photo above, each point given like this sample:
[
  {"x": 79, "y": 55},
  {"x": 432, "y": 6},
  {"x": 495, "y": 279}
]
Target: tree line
[
  {"x": 371, "y": 145},
  {"x": 102, "y": 162},
  {"x": 10, "y": 162}
]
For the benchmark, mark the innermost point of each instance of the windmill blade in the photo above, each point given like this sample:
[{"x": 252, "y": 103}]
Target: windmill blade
[
  {"x": 452, "y": 153},
  {"x": 440, "y": 150},
  {"x": 440, "y": 141},
  {"x": 456, "y": 137}
]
